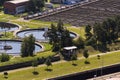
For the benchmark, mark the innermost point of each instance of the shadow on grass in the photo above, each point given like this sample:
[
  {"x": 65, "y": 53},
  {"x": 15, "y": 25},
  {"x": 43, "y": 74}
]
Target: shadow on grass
[
  {"x": 74, "y": 64},
  {"x": 49, "y": 70},
  {"x": 6, "y": 77},
  {"x": 87, "y": 62},
  {"x": 35, "y": 73}
]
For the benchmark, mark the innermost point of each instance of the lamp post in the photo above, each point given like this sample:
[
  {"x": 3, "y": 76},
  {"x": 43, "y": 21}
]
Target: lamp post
[
  {"x": 99, "y": 57},
  {"x": 101, "y": 65},
  {"x": 95, "y": 77}
]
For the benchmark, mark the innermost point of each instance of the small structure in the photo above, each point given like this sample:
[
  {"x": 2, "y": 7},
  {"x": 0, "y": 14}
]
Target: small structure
[
  {"x": 48, "y": 5},
  {"x": 69, "y": 50},
  {"x": 15, "y": 6},
  {"x": 7, "y": 47}
]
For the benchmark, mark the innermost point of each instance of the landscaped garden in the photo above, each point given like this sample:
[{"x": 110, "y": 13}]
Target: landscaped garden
[
  {"x": 89, "y": 40},
  {"x": 63, "y": 68},
  {"x": 80, "y": 31}
]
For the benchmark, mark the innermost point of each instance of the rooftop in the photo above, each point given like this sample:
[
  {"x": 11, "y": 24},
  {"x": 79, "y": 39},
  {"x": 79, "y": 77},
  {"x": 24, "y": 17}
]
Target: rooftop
[
  {"x": 70, "y": 48},
  {"x": 17, "y": 1}
]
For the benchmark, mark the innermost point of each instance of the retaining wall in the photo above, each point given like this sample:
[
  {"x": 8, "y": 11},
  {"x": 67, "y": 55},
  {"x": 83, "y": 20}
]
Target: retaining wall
[{"x": 90, "y": 73}]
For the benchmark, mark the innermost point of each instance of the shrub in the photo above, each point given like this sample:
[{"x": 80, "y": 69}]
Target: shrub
[
  {"x": 4, "y": 57},
  {"x": 79, "y": 43}
]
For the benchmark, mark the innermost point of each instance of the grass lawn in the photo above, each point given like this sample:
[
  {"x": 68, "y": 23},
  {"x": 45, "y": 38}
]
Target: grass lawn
[
  {"x": 7, "y": 17},
  {"x": 58, "y": 69},
  {"x": 21, "y": 60},
  {"x": 34, "y": 24},
  {"x": 9, "y": 35},
  {"x": 47, "y": 46},
  {"x": 63, "y": 68},
  {"x": 79, "y": 30},
  {"x": 91, "y": 51}
]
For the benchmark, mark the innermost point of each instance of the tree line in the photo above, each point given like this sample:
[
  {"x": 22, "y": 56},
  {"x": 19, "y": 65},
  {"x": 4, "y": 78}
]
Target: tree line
[
  {"x": 59, "y": 36},
  {"x": 103, "y": 33}
]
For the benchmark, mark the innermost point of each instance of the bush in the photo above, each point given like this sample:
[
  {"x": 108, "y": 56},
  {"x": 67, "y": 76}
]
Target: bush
[
  {"x": 4, "y": 57},
  {"x": 79, "y": 43}
]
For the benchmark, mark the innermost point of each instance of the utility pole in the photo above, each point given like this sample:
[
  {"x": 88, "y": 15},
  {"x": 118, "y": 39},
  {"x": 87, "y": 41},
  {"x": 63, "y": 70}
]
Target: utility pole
[{"x": 102, "y": 64}]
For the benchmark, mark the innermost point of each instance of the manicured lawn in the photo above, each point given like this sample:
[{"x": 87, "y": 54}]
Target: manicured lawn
[
  {"x": 63, "y": 68},
  {"x": 6, "y": 17},
  {"x": 79, "y": 30},
  {"x": 34, "y": 24},
  {"x": 26, "y": 24},
  {"x": 9, "y": 35},
  {"x": 57, "y": 69},
  {"x": 47, "y": 46},
  {"x": 20, "y": 59}
]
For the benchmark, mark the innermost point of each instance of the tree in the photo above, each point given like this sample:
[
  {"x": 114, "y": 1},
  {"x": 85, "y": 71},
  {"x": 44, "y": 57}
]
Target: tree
[
  {"x": 5, "y": 74},
  {"x": 66, "y": 39},
  {"x": 109, "y": 26},
  {"x": 100, "y": 40},
  {"x": 52, "y": 34},
  {"x": 88, "y": 33},
  {"x": 31, "y": 42},
  {"x": 48, "y": 62},
  {"x": 79, "y": 42},
  {"x": 85, "y": 54},
  {"x": 117, "y": 21},
  {"x": 98, "y": 56},
  {"x": 73, "y": 58},
  {"x": 56, "y": 47},
  {"x": 4, "y": 57},
  {"x": 31, "y": 6},
  {"x": 60, "y": 26},
  {"x": 59, "y": 37},
  {"x": 35, "y": 64},
  {"x": 40, "y": 4},
  {"x": 28, "y": 46},
  {"x": 92, "y": 41},
  {"x": 103, "y": 34},
  {"x": 24, "y": 49},
  {"x": 36, "y": 5}
]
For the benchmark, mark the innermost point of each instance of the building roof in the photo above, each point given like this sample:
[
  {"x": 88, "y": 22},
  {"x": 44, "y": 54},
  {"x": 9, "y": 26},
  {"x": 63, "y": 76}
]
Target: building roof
[
  {"x": 17, "y": 1},
  {"x": 70, "y": 48}
]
